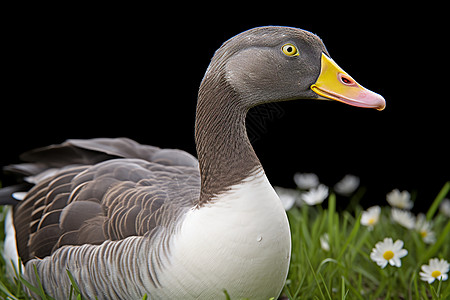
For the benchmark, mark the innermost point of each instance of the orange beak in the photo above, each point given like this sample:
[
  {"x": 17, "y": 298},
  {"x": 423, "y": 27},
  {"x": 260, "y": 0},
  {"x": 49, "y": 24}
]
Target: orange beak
[{"x": 334, "y": 83}]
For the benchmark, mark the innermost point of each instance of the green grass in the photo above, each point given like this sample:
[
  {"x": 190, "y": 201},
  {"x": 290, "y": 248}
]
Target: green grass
[{"x": 346, "y": 270}]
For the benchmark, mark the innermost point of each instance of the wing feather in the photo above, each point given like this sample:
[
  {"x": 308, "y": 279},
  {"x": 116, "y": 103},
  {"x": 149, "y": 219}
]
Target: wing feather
[{"x": 102, "y": 189}]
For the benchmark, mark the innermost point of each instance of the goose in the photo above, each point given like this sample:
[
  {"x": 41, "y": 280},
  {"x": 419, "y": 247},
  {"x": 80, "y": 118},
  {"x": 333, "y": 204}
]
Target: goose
[{"x": 129, "y": 220}]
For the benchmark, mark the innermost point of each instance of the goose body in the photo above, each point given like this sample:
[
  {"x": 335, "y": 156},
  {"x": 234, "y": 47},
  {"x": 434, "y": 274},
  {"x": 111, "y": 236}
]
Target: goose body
[
  {"x": 128, "y": 219},
  {"x": 211, "y": 246}
]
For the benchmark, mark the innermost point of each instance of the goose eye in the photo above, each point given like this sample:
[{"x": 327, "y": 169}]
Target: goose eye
[{"x": 289, "y": 50}]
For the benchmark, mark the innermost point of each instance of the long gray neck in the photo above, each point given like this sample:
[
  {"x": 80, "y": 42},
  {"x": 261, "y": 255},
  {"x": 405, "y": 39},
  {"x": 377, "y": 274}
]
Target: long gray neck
[{"x": 225, "y": 154}]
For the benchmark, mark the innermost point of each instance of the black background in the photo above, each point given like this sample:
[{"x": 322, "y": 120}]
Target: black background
[{"x": 83, "y": 72}]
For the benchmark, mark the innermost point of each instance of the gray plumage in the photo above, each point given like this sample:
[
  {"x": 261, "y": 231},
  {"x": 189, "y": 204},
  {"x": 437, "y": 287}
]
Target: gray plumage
[{"x": 88, "y": 204}]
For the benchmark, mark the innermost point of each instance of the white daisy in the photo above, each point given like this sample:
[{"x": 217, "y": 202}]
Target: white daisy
[
  {"x": 399, "y": 199},
  {"x": 436, "y": 269},
  {"x": 371, "y": 216},
  {"x": 347, "y": 185},
  {"x": 316, "y": 195},
  {"x": 404, "y": 218},
  {"x": 306, "y": 181},
  {"x": 388, "y": 252},
  {"x": 444, "y": 207},
  {"x": 423, "y": 227},
  {"x": 287, "y": 196}
]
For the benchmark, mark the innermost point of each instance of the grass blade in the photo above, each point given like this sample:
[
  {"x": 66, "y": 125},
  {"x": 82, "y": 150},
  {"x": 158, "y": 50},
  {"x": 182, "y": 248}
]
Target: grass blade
[
  {"x": 325, "y": 286},
  {"x": 73, "y": 282},
  {"x": 29, "y": 286},
  {"x": 331, "y": 211},
  {"x": 434, "y": 206},
  {"x": 314, "y": 273},
  {"x": 350, "y": 238},
  {"x": 41, "y": 288},
  {"x": 5, "y": 290}
]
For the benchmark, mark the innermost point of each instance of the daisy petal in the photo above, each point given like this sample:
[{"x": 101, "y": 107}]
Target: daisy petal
[
  {"x": 426, "y": 268},
  {"x": 382, "y": 263},
  {"x": 402, "y": 253},
  {"x": 396, "y": 262},
  {"x": 398, "y": 245}
]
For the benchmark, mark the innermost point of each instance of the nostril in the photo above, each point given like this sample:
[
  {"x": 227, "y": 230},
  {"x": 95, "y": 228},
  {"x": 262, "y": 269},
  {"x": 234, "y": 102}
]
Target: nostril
[{"x": 346, "y": 80}]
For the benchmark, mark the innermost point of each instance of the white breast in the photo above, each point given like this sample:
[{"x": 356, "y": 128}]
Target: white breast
[{"x": 239, "y": 243}]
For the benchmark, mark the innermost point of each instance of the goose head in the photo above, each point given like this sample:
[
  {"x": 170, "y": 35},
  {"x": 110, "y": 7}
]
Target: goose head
[
  {"x": 269, "y": 64},
  {"x": 261, "y": 65}
]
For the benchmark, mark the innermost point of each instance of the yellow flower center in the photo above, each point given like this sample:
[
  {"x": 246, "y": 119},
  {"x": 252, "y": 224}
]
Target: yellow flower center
[
  {"x": 388, "y": 255},
  {"x": 436, "y": 274},
  {"x": 423, "y": 233},
  {"x": 371, "y": 221}
]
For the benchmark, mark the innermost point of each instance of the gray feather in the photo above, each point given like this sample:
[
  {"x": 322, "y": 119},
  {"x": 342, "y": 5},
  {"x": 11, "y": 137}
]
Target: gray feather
[{"x": 89, "y": 202}]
